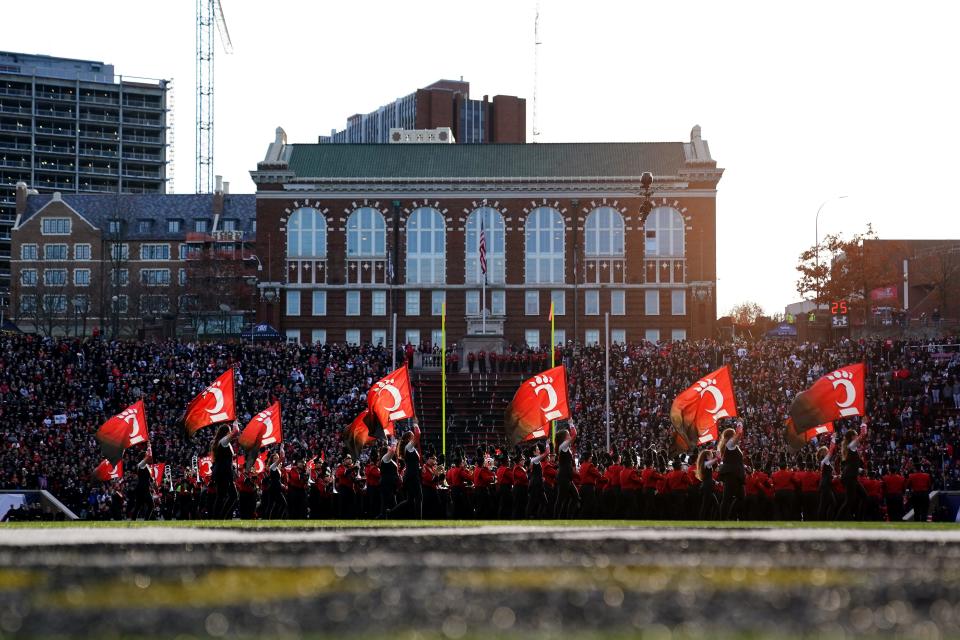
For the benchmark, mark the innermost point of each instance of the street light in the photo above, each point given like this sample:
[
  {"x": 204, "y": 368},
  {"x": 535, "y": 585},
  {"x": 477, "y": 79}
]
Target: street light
[{"x": 816, "y": 243}]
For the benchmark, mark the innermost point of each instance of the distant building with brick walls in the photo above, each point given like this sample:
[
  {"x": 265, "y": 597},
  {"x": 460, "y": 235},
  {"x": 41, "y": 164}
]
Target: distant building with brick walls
[
  {"x": 133, "y": 264},
  {"x": 443, "y": 104},
  {"x": 353, "y": 233}
]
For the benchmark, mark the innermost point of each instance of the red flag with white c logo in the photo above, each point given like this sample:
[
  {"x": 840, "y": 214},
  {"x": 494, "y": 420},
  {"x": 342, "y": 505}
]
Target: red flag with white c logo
[
  {"x": 695, "y": 412},
  {"x": 839, "y": 394},
  {"x": 390, "y": 400},
  {"x": 538, "y": 401},
  {"x": 262, "y": 430},
  {"x": 156, "y": 472},
  {"x": 124, "y": 430},
  {"x": 212, "y": 406},
  {"x": 106, "y": 471},
  {"x": 205, "y": 468}
]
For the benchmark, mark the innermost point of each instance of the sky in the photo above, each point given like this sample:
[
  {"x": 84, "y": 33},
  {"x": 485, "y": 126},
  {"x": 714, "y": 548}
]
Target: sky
[{"x": 800, "y": 102}]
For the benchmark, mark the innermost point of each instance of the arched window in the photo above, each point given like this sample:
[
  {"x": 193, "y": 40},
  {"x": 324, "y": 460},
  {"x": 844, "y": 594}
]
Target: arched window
[
  {"x": 604, "y": 233},
  {"x": 545, "y": 246},
  {"x": 426, "y": 243},
  {"x": 664, "y": 233},
  {"x": 490, "y": 220},
  {"x": 306, "y": 234},
  {"x": 366, "y": 234}
]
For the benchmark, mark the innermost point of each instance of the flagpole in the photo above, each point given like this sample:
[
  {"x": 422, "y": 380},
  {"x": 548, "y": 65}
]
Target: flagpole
[
  {"x": 482, "y": 240},
  {"x": 394, "y": 338},
  {"x": 606, "y": 322},
  {"x": 443, "y": 377}
]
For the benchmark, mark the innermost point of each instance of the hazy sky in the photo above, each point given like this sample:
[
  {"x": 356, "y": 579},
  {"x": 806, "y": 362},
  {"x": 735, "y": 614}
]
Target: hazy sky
[{"x": 800, "y": 102}]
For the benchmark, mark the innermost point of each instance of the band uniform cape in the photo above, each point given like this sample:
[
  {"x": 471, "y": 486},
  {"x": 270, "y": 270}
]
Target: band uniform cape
[
  {"x": 263, "y": 429},
  {"x": 213, "y": 406},
  {"x": 839, "y": 394},
  {"x": 124, "y": 430},
  {"x": 358, "y": 433},
  {"x": 389, "y": 400},
  {"x": 696, "y": 411},
  {"x": 538, "y": 401}
]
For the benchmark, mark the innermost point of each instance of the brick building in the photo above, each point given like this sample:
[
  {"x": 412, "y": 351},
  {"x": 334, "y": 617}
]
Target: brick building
[
  {"x": 922, "y": 278},
  {"x": 443, "y": 104},
  {"x": 73, "y": 126},
  {"x": 132, "y": 264},
  {"x": 354, "y": 233}
]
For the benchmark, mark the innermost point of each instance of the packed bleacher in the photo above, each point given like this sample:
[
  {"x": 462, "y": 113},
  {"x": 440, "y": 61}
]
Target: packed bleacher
[{"x": 54, "y": 394}]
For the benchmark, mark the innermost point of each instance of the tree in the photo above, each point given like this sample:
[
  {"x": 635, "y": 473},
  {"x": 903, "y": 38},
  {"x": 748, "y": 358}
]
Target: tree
[{"x": 746, "y": 314}]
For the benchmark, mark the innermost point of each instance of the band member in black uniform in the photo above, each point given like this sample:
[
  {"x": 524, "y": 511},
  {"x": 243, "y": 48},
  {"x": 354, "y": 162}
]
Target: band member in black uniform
[
  {"x": 412, "y": 488},
  {"x": 706, "y": 461},
  {"x": 855, "y": 496},
  {"x": 536, "y": 498},
  {"x": 732, "y": 473},
  {"x": 828, "y": 503},
  {"x": 567, "y": 498},
  {"x": 143, "y": 496},
  {"x": 277, "y": 507},
  {"x": 221, "y": 450},
  {"x": 389, "y": 479}
]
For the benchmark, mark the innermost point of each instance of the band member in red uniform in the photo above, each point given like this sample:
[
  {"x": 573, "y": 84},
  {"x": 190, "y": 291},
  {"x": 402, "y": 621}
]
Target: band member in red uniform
[
  {"x": 677, "y": 484},
  {"x": 550, "y": 482},
  {"x": 429, "y": 476},
  {"x": 856, "y": 497},
  {"x": 873, "y": 487},
  {"x": 589, "y": 475},
  {"x": 505, "y": 488},
  {"x": 784, "y": 492},
  {"x": 649, "y": 478},
  {"x": 709, "y": 507},
  {"x": 692, "y": 502},
  {"x": 732, "y": 473},
  {"x": 611, "y": 490},
  {"x": 630, "y": 484},
  {"x": 371, "y": 472},
  {"x": 809, "y": 484},
  {"x": 277, "y": 501},
  {"x": 483, "y": 481},
  {"x": 893, "y": 486},
  {"x": 521, "y": 484},
  {"x": 918, "y": 484}
]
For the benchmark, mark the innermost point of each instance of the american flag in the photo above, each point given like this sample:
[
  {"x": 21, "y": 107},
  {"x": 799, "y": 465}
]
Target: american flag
[{"x": 483, "y": 251}]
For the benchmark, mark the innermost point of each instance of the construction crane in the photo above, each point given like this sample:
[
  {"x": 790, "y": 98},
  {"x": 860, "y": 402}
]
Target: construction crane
[{"x": 209, "y": 13}]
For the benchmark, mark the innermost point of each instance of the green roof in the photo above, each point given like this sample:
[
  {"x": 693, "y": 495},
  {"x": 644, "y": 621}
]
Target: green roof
[{"x": 591, "y": 160}]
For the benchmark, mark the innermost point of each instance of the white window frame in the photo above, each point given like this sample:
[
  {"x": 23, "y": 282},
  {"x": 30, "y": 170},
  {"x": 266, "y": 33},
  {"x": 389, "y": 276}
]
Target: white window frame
[
  {"x": 55, "y": 303},
  {"x": 472, "y": 302},
  {"x": 678, "y": 302},
  {"x": 352, "y": 304},
  {"x": 318, "y": 336},
  {"x": 412, "y": 333},
  {"x": 558, "y": 298},
  {"x": 422, "y": 224},
  {"x": 531, "y": 303},
  {"x": 124, "y": 251},
  {"x": 119, "y": 277},
  {"x": 33, "y": 248},
  {"x": 315, "y": 232},
  {"x": 618, "y": 302},
  {"x": 66, "y": 222},
  {"x": 378, "y": 303},
  {"x": 66, "y": 251},
  {"x": 318, "y": 301},
  {"x": 352, "y": 337},
  {"x": 77, "y": 282},
  {"x": 81, "y": 248},
  {"x": 23, "y": 281},
  {"x": 28, "y": 303},
  {"x": 200, "y": 225},
  {"x": 182, "y": 277},
  {"x": 651, "y": 302},
  {"x": 154, "y": 247},
  {"x": 292, "y": 307},
  {"x": 531, "y": 338},
  {"x": 613, "y": 232},
  {"x": 543, "y": 224},
  {"x": 293, "y": 335},
  {"x": 46, "y": 280},
  {"x": 437, "y": 298},
  {"x": 378, "y": 337},
  {"x": 412, "y": 302},
  {"x": 560, "y": 336},
  {"x": 591, "y": 337},
  {"x": 667, "y": 227},
  {"x": 591, "y": 302},
  {"x": 498, "y": 302},
  {"x": 494, "y": 228},
  {"x": 678, "y": 335},
  {"x": 158, "y": 281},
  {"x": 174, "y": 225},
  {"x": 618, "y": 336},
  {"x": 366, "y": 228},
  {"x": 436, "y": 337},
  {"x": 652, "y": 335}
]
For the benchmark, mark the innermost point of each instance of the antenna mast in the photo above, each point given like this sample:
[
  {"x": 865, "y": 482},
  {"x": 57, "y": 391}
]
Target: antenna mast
[
  {"x": 209, "y": 15},
  {"x": 536, "y": 67}
]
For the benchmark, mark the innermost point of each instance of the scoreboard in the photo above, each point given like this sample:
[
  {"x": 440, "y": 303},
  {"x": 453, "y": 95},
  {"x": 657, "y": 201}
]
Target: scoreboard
[{"x": 838, "y": 314}]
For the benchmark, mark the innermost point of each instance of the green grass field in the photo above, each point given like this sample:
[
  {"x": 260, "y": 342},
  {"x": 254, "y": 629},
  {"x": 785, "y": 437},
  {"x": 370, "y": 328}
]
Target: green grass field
[{"x": 412, "y": 524}]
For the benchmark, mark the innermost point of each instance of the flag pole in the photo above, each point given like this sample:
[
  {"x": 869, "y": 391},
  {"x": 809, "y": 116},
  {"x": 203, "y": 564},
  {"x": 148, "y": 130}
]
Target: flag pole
[
  {"x": 553, "y": 363},
  {"x": 443, "y": 377},
  {"x": 394, "y": 338},
  {"x": 482, "y": 241},
  {"x": 606, "y": 322}
]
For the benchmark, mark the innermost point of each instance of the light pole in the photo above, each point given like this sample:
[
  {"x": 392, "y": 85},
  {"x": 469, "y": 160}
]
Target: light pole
[{"x": 816, "y": 242}]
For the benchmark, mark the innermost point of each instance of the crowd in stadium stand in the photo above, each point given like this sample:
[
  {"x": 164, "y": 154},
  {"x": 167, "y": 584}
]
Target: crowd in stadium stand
[{"x": 54, "y": 394}]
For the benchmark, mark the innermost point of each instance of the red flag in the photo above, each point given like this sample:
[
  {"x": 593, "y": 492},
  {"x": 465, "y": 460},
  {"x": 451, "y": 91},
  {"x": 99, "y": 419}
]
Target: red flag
[
  {"x": 839, "y": 394},
  {"x": 205, "y": 468},
  {"x": 127, "y": 428},
  {"x": 357, "y": 435},
  {"x": 212, "y": 406},
  {"x": 156, "y": 471},
  {"x": 539, "y": 400},
  {"x": 259, "y": 463},
  {"x": 816, "y": 432},
  {"x": 106, "y": 471},
  {"x": 262, "y": 430},
  {"x": 695, "y": 412},
  {"x": 390, "y": 400}
]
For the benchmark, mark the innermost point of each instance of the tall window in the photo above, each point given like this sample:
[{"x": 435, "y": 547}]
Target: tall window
[
  {"x": 366, "y": 234},
  {"x": 353, "y": 303},
  {"x": 426, "y": 243},
  {"x": 493, "y": 228},
  {"x": 604, "y": 233},
  {"x": 378, "y": 305},
  {"x": 306, "y": 234},
  {"x": 545, "y": 243},
  {"x": 293, "y": 303},
  {"x": 664, "y": 233}
]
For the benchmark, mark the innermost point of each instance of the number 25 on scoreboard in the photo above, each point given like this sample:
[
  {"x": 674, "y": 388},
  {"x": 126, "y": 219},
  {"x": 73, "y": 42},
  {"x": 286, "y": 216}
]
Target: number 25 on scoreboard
[{"x": 839, "y": 308}]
